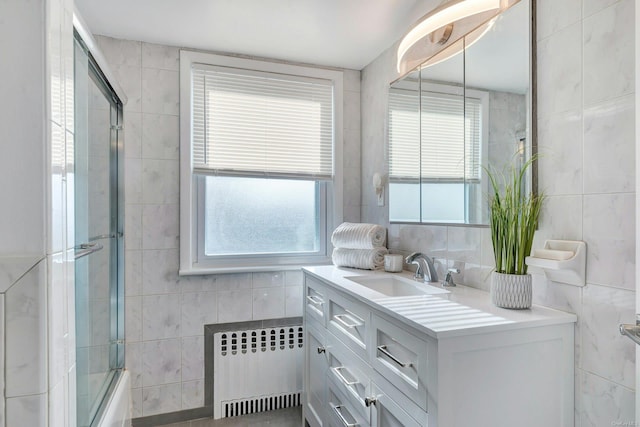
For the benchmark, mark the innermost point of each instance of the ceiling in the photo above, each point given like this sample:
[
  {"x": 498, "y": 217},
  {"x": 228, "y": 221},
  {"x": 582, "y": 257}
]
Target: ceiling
[{"x": 338, "y": 33}]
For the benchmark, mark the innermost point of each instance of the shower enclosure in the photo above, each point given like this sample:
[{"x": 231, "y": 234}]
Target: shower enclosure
[{"x": 99, "y": 248}]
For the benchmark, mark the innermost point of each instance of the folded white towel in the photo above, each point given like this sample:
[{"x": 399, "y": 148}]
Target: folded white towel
[
  {"x": 366, "y": 259},
  {"x": 359, "y": 236}
]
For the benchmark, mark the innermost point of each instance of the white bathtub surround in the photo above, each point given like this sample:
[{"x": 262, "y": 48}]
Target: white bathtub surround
[
  {"x": 118, "y": 412},
  {"x": 586, "y": 140}
]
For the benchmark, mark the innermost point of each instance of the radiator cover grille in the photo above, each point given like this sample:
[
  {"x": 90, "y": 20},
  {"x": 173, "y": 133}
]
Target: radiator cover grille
[
  {"x": 257, "y": 370},
  {"x": 260, "y": 404}
]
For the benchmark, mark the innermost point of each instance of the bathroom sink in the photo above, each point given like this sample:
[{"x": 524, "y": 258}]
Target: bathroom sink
[{"x": 396, "y": 286}]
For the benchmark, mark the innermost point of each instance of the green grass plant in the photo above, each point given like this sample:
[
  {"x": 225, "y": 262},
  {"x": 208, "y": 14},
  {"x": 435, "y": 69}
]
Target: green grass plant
[{"x": 513, "y": 218}]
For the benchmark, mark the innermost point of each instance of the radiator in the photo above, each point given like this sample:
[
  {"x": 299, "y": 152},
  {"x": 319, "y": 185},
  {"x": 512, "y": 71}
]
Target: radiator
[{"x": 257, "y": 370}]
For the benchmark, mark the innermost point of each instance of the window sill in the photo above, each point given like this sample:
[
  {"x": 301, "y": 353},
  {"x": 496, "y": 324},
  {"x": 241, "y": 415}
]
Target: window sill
[{"x": 201, "y": 271}]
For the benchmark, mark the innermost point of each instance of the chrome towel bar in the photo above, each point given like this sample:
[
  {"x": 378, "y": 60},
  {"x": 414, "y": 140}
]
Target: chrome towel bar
[
  {"x": 631, "y": 331},
  {"x": 85, "y": 249}
]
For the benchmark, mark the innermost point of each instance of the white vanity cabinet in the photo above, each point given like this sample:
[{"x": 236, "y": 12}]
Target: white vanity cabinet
[{"x": 367, "y": 364}]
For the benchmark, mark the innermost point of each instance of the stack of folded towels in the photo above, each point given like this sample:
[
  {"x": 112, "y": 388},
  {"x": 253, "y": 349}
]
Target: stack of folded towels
[{"x": 359, "y": 246}]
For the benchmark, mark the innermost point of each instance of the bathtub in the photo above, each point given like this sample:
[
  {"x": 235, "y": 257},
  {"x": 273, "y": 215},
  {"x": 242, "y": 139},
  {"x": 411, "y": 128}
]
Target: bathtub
[{"x": 118, "y": 410}]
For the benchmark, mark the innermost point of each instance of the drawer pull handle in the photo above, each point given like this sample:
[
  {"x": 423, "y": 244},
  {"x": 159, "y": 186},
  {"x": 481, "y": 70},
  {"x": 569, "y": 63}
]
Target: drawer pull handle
[
  {"x": 368, "y": 401},
  {"x": 321, "y": 350},
  {"x": 383, "y": 349},
  {"x": 351, "y": 324},
  {"x": 315, "y": 300},
  {"x": 338, "y": 371},
  {"x": 338, "y": 410}
]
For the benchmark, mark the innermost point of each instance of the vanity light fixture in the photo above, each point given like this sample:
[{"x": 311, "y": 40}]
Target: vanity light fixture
[
  {"x": 462, "y": 44},
  {"x": 444, "y": 29}
]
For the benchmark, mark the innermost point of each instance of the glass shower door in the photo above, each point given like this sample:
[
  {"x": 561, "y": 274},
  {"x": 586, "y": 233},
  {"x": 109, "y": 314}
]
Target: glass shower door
[{"x": 98, "y": 272}]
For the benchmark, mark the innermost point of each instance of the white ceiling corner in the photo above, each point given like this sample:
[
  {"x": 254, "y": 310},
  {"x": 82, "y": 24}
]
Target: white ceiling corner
[{"x": 338, "y": 33}]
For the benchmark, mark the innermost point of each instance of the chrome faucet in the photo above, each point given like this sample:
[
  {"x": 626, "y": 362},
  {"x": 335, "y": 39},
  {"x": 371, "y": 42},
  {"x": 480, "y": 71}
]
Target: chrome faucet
[{"x": 425, "y": 270}]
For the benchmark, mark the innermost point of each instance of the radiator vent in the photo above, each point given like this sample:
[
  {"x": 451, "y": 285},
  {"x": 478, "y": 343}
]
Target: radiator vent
[
  {"x": 257, "y": 370},
  {"x": 260, "y": 404},
  {"x": 264, "y": 339}
]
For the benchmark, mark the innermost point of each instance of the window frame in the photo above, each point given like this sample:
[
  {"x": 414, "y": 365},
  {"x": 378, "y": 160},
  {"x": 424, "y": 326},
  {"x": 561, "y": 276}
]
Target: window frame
[{"x": 192, "y": 261}]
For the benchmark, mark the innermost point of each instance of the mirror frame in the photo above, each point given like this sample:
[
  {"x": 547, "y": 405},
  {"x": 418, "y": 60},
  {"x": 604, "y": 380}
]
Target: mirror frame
[{"x": 533, "y": 117}]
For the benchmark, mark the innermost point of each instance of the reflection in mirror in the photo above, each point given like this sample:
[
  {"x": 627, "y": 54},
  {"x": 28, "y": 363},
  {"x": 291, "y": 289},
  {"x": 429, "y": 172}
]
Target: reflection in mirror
[
  {"x": 449, "y": 120},
  {"x": 404, "y": 149}
]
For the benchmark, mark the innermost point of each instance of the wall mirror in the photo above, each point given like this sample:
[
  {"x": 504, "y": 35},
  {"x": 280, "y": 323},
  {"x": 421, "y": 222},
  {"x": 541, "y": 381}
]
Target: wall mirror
[{"x": 449, "y": 121}]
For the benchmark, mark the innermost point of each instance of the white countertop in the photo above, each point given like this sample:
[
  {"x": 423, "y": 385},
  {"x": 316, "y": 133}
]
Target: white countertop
[{"x": 465, "y": 311}]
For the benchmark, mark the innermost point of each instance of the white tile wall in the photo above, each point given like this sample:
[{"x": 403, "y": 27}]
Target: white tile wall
[
  {"x": 27, "y": 410},
  {"x": 603, "y": 401},
  {"x": 608, "y": 52},
  {"x": 161, "y": 399},
  {"x": 560, "y": 137},
  {"x": 607, "y": 166},
  {"x": 26, "y": 334},
  {"x": 192, "y": 394},
  {"x": 192, "y": 358},
  {"x": 586, "y": 137},
  {"x": 609, "y": 230},
  {"x": 161, "y": 362},
  {"x": 165, "y": 312},
  {"x": 198, "y": 309},
  {"x": 605, "y": 352},
  {"x": 24, "y": 122}
]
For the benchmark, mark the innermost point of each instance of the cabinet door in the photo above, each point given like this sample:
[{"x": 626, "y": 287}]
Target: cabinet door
[
  {"x": 315, "y": 369},
  {"x": 315, "y": 296}
]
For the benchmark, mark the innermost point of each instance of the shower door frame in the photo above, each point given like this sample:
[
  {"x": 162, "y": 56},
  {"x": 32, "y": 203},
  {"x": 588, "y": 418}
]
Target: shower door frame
[{"x": 116, "y": 195}]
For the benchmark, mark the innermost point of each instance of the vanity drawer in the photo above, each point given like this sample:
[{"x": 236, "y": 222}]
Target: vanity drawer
[
  {"x": 340, "y": 411},
  {"x": 315, "y": 297},
  {"x": 350, "y": 374},
  {"x": 393, "y": 409},
  {"x": 349, "y": 320},
  {"x": 400, "y": 357}
]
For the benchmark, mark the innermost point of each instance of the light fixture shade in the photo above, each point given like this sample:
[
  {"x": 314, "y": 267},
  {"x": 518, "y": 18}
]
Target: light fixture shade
[
  {"x": 443, "y": 27},
  {"x": 464, "y": 43}
]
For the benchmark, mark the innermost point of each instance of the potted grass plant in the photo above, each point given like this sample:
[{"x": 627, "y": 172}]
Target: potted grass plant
[{"x": 513, "y": 218}]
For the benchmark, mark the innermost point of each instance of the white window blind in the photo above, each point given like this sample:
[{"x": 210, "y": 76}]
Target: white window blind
[
  {"x": 261, "y": 124},
  {"x": 433, "y": 147},
  {"x": 404, "y": 135}
]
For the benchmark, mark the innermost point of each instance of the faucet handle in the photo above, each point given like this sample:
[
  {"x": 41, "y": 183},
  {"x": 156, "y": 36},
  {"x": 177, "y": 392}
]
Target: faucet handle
[{"x": 448, "y": 281}]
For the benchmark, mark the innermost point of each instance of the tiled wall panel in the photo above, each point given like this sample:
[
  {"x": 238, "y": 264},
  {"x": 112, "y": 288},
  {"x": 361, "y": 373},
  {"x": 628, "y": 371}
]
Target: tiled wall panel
[
  {"x": 586, "y": 114},
  {"x": 165, "y": 313}
]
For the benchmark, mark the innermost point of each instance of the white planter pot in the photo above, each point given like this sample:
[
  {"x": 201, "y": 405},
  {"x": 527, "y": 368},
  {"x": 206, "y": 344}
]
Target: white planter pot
[{"x": 511, "y": 290}]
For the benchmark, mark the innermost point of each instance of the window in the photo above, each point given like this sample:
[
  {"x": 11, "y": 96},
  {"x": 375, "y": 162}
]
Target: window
[
  {"x": 260, "y": 163},
  {"x": 437, "y": 143}
]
